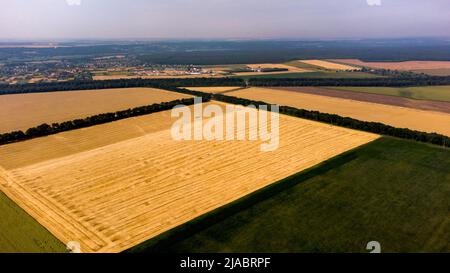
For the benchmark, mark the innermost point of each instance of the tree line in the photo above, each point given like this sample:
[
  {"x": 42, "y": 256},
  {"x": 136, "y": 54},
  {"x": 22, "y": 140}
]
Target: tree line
[
  {"x": 46, "y": 129},
  {"x": 172, "y": 84},
  {"x": 394, "y": 73}
]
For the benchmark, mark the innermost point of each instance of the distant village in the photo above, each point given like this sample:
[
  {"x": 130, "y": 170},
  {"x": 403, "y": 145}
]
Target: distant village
[{"x": 109, "y": 67}]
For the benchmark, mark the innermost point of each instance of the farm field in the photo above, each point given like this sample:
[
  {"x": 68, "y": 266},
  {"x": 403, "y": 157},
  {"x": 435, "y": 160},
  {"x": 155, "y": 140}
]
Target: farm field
[
  {"x": 342, "y": 93},
  {"x": 20, "y": 233},
  {"x": 283, "y": 66},
  {"x": 214, "y": 90},
  {"x": 405, "y": 66},
  {"x": 437, "y": 93},
  {"x": 427, "y": 121},
  {"x": 313, "y": 75},
  {"x": 23, "y": 111},
  {"x": 389, "y": 190},
  {"x": 290, "y": 69},
  {"x": 111, "y": 195},
  {"x": 330, "y": 65}
]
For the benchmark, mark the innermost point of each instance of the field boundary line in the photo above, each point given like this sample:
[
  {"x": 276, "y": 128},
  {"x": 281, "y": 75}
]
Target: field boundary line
[
  {"x": 161, "y": 241},
  {"x": 25, "y": 200}
]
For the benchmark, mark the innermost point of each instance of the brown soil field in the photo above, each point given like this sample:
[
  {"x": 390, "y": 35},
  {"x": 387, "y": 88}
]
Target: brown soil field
[
  {"x": 409, "y": 65},
  {"x": 23, "y": 111},
  {"x": 330, "y": 65},
  {"x": 426, "y": 121},
  {"x": 214, "y": 90},
  {"x": 427, "y": 105},
  {"x": 111, "y": 195}
]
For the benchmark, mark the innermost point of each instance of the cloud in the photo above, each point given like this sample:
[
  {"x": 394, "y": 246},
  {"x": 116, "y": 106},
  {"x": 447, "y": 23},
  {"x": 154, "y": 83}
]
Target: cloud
[
  {"x": 374, "y": 2},
  {"x": 73, "y": 2}
]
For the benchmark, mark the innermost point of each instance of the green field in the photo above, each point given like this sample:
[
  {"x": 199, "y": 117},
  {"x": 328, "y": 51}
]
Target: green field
[
  {"x": 19, "y": 232},
  {"x": 392, "y": 191},
  {"x": 437, "y": 93},
  {"x": 328, "y": 74},
  {"x": 299, "y": 64}
]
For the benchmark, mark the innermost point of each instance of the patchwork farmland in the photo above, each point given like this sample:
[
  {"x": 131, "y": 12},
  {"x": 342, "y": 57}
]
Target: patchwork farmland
[
  {"x": 405, "y": 66},
  {"x": 215, "y": 90},
  {"x": 401, "y": 117},
  {"x": 330, "y": 65},
  {"x": 386, "y": 96},
  {"x": 115, "y": 185},
  {"x": 430, "y": 93},
  {"x": 338, "y": 206},
  {"x": 23, "y": 111},
  {"x": 289, "y": 68},
  {"x": 432, "y": 68}
]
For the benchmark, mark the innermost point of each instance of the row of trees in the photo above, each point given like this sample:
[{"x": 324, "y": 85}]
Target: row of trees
[
  {"x": 169, "y": 84},
  {"x": 372, "y": 127},
  {"x": 46, "y": 129},
  {"x": 172, "y": 84},
  {"x": 394, "y": 73}
]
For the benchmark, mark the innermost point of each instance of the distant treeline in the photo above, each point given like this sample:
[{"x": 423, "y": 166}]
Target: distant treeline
[
  {"x": 275, "y": 69},
  {"x": 168, "y": 84},
  {"x": 240, "y": 52},
  {"x": 172, "y": 84},
  {"x": 46, "y": 129},
  {"x": 372, "y": 127},
  {"x": 394, "y": 73}
]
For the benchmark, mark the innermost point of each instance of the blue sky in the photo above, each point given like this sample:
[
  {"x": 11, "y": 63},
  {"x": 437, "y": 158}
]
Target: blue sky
[{"x": 252, "y": 19}]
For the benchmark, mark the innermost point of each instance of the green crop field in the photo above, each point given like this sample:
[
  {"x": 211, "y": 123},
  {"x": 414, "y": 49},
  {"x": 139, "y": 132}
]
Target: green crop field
[
  {"x": 20, "y": 233},
  {"x": 437, "y": 93},
  {"x": 392, "y": 191}
]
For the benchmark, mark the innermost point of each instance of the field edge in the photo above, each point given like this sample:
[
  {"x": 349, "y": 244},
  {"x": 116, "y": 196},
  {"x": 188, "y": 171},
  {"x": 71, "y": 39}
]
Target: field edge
[{"x": 158, "y": 243}]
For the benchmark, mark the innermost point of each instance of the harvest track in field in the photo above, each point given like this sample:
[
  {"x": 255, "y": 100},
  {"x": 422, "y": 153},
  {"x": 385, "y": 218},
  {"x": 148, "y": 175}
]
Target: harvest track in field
[
  {"x": 426, "y": 121},
  {"x": 23, "y": 111},
  {"x": 111, "y": 195}
]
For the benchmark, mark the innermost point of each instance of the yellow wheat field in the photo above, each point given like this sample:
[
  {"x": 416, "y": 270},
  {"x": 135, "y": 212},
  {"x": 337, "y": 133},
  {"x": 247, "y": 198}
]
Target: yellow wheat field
[
  {"x": 111, "y": 194},
  {"x": 291, "y": 69},
  {"x": 214, "y": 90},
  {"x": 271, "y": 65},
  {"x": 22, "y": 111},
  {"x": 330, "y": 65},
  {"x": 426, "y": 121}
]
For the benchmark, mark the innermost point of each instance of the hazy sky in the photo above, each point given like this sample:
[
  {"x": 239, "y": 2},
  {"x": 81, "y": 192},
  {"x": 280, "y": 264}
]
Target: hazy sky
[{"x": 31, "y": 19}]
